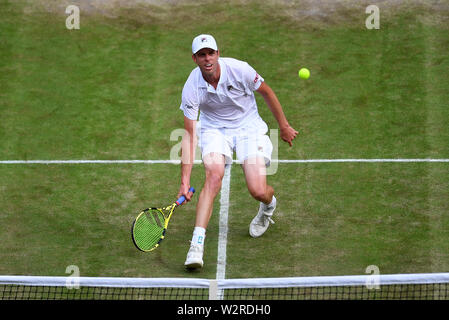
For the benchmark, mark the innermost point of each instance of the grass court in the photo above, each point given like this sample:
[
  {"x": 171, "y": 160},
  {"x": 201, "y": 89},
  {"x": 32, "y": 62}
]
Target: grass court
[{"x": 112, "y": 89}]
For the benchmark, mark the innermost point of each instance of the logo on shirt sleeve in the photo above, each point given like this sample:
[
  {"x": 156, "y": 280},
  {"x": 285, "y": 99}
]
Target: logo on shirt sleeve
[
  {"x": 188, "y": 106},
  {"x": 257, "y": 78}
]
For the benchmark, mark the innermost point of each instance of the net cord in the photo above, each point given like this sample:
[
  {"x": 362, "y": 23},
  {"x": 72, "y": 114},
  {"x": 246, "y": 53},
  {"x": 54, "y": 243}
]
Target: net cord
[{"x": 320, "y": 281}]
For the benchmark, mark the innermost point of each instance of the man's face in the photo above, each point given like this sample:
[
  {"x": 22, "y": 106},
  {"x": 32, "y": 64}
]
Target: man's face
[{"x": 207, "y": 60}]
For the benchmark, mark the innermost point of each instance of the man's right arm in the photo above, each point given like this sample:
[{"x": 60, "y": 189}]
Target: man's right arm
[{"x": 188, "y": 147}]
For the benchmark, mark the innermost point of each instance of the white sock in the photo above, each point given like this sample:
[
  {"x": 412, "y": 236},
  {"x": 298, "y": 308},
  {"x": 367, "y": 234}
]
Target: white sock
[
  {"x": 199, "y": 235},
  {"x": 272, "y": 203}
]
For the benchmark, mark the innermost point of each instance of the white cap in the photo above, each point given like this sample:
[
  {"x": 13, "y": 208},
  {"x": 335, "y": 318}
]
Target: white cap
[{"x": 203, "y": 41}]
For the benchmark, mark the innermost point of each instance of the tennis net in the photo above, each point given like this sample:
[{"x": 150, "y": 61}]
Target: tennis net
[{"x": 432, "y": 286}]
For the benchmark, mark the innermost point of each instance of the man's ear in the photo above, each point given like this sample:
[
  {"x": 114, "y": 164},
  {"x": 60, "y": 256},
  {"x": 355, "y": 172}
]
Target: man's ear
[{"x": 194, "y": 58}]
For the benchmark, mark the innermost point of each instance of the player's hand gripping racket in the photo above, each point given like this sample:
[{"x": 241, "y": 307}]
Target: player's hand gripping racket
[{"x": 148, "y": 229}]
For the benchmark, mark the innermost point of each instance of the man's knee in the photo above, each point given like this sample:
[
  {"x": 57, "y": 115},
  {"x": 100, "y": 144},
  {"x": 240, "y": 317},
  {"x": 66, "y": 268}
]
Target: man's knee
[
  {"x": 258, "y": 192},
  {"x": 213, "y": 180}
]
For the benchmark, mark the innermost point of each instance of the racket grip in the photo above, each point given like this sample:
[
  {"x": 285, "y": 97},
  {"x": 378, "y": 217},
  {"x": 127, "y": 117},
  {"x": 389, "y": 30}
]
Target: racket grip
[{"x": 182, "y": 198}]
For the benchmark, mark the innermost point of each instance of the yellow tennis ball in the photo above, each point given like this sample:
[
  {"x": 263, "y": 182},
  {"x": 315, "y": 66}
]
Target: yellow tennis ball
[{"x": 304, "y": 73}]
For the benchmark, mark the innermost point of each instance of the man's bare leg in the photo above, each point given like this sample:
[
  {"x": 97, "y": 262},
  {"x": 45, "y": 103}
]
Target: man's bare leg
[
  {"x": 256, "y": 180},
  {"x": 214, "y": 164}
]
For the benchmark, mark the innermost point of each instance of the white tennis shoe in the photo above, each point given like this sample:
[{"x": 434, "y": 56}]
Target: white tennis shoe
[
  {"x": 195, "y": 257},
  {"x": 262, "y": 221}
]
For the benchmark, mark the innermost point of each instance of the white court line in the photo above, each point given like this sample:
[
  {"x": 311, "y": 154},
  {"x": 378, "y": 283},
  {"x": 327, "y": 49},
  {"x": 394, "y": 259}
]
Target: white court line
[
  {"x": 223, "y": 227},
  {"x": 91, "y": 161},
  {"x": 360, "y": 160},
  {"x": 199, "y": 161}
]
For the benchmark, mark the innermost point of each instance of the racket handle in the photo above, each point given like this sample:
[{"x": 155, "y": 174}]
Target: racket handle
[{"x": 182, "y": 198}]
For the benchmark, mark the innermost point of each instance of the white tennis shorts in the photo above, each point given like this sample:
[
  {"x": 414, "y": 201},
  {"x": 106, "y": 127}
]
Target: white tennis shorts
[{"x": 248, "y": 142}]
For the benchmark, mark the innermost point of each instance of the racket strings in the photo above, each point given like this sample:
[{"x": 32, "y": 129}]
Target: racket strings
[{"x": 149, "y": 229}]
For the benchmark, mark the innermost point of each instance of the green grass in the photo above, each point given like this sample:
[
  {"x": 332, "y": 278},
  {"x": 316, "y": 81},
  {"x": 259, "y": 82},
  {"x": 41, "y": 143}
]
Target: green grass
[
  {"x": 337, "y": 219},
  {"x": 112, "y": 90}
]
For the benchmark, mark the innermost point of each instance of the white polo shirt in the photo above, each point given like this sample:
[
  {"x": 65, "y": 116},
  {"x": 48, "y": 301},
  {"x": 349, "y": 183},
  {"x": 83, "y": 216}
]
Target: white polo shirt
[{"x": 229, "y": 106}]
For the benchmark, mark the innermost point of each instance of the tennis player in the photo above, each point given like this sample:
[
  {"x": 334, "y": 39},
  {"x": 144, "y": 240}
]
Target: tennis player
[{"x": 220, "y": 94}]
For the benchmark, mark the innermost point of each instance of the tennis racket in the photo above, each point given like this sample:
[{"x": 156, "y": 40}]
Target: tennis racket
[{"x": 148, "y": 229}]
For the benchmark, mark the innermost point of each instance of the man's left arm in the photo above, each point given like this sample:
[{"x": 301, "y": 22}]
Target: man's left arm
[{"x": 287, "y": 132}]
